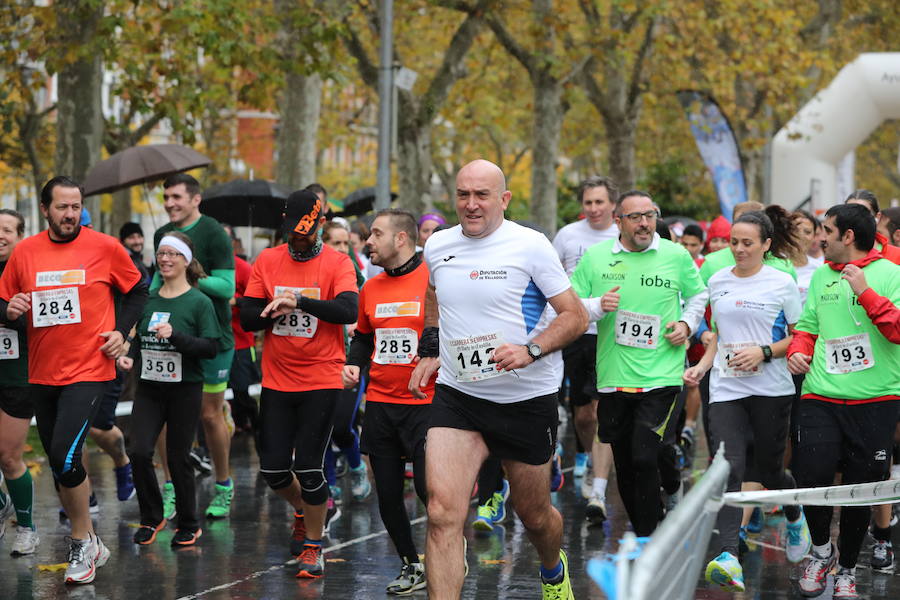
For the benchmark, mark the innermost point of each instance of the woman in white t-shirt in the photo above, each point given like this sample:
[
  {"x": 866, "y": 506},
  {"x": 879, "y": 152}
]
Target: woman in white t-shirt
[
  {"x": 806, "y": 228},
  {"x": 754, "y": 309}
]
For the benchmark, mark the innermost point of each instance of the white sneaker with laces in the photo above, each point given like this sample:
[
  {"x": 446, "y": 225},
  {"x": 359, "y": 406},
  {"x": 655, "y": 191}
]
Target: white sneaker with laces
[
  {"x": 26, "y": 542},
  {"x": 845, "y": 585}
]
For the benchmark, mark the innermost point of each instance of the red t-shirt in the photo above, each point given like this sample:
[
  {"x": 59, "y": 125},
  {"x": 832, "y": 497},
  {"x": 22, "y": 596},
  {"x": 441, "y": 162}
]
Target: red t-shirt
[
  {"x": 242, "y": 339},
  {"x": 71, "y": 285},
  {"x": 300, "y": 352},
  {"x": 394, "y": 309}
]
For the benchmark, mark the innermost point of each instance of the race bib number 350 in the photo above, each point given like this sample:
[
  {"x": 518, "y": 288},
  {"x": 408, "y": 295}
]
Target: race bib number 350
[
  {"x": 55, "y": 307},
  {"x": 472, "y": 357},
  {"x": 296, "y": 323},
  {"x": 849, "y": 354},
  {"x": 158, "y": 365},
  {"x": 9, "y": 344},
  {"x": 637, "y": 330},
  {"x": 395, "y": 346}
]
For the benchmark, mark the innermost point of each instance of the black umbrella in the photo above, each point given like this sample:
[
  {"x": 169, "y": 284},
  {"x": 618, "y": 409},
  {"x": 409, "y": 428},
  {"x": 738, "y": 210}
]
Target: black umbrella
[
  {"x": 360, "y": 202},
  {"x": 141, "y": 164},
  {"x": 257, "y": 203}
]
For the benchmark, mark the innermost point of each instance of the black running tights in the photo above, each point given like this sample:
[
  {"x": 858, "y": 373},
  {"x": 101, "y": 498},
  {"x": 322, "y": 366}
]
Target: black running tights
[{"x": 389, "y": 474}]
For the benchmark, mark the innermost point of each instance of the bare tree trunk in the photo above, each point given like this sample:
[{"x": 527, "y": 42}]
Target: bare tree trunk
[
  {"x": 548, "y": 120},
  {"x": 298, "y": 129},
  {"x": 79, "y": 121},
  {"x": 620, "y": 141},
  {"x": 414, "y": 163},
  {"x": 416, "y": 112}
]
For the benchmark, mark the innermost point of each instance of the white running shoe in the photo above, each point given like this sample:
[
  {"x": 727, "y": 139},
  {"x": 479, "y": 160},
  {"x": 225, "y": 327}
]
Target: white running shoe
[{"x": 26, "y": 542}]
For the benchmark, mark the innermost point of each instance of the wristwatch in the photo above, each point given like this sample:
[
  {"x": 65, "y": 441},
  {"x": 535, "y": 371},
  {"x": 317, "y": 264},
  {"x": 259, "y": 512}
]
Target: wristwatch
[
  {"x": 534, "y": 351},
  {"x": 767, "y": 353}
]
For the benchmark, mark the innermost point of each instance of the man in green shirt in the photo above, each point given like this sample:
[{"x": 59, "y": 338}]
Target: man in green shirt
[
  {"x": 213, "y": 250},
  {"x": 635, "y": 286},
  {"x": 846, "y": 342}
]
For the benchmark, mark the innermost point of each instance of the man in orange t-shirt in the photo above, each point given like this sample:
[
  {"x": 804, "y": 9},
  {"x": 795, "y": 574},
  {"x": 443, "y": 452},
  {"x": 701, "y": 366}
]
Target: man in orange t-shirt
[
  {"x": 391, "y": 320},
  {"x": 301, "y": 293},
  {"x": 60, "y": 282}
]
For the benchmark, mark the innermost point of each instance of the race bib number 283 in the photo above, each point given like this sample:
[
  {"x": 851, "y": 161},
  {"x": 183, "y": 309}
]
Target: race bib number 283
[{"x": 296, "y": 323}]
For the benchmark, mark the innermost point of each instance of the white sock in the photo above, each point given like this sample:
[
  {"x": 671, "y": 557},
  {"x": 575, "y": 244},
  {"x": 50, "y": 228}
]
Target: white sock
[
  {"x": 823, "y": 551},
  {"x": 600, "y": 487},
  {"x": 895, "y": 471}
]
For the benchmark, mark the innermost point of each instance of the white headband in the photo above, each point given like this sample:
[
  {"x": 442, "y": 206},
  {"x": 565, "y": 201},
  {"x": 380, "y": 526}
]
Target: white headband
[{"x": 174, "y": 242}]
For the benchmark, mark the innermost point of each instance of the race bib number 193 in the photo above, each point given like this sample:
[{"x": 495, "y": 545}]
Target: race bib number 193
[{"x": 849, "y": 354}]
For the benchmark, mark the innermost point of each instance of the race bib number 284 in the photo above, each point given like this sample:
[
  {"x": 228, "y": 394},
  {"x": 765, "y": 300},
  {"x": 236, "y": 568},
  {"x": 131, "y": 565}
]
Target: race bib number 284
[{"x": 60, "y": 306}]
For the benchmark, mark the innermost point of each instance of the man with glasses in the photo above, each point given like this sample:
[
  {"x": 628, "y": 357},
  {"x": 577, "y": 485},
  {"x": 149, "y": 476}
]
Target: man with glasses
[{"x": 636, "y": 285}]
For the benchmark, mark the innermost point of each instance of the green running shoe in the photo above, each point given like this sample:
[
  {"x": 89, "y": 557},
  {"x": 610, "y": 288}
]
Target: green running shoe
[{"x": 220, "y": 505}]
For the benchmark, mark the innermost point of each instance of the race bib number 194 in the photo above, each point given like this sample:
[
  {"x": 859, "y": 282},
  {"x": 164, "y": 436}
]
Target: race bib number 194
[{"x": 637, "y": 330}]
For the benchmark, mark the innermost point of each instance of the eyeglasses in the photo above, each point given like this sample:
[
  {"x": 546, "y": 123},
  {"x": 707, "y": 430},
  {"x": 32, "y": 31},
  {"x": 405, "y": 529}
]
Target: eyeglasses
[
  {"x": 636, "y": 217},
  {"x": 168, "y": 254}
]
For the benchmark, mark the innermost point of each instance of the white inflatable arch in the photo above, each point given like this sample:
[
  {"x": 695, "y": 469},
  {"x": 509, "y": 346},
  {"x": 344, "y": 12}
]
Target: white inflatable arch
[{"x": 806, "y": 152}]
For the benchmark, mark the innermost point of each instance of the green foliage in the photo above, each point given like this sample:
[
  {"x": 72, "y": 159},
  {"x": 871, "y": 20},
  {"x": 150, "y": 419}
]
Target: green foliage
[{"x": 667, "y": 183}]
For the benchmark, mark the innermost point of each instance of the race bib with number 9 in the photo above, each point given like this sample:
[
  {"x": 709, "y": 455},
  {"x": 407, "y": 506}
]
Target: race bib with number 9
[
  {"x": 159, "y": 365},
  {"x": 9, "y": 344},
  {"x": 395, "y": 346},
  {"x": 55, "y": 307},
  {"x": 472, "y": 356},
  {"x": 637, "y": 330},
  {"x": 296, "y": 323},
  {"x": 849, "y": 354}
]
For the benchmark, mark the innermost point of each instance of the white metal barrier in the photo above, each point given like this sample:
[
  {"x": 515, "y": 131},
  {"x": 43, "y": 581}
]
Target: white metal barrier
[{"x": 667, "y": 565}]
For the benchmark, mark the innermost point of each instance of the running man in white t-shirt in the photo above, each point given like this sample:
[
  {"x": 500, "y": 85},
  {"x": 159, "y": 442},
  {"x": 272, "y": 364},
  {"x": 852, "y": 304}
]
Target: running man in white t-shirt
[
  {"x": 597, "y": 196},
  {"x": 500, "y": 368}
]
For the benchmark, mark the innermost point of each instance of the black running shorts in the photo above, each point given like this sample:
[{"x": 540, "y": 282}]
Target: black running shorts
[
  {"x": 618, "y": 413},
  {"x": 521, "y": 431},
  {"x": 16, "y": 402},
  {"x": 395, "y": 430},
  {"x": 580, "y": 367}
]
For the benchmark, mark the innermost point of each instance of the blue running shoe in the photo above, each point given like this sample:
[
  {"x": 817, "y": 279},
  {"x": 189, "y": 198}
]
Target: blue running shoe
[
  {"x": 557, "y": 479},
  {"x": 798, "y": 542},
  {"x": 757, "y": 520},
  {"x": 124, "y": 483},
  {"x": 726, "y": 572},
  {"x": 499, "y": 499},
  {"x": 581, "y": 464}
]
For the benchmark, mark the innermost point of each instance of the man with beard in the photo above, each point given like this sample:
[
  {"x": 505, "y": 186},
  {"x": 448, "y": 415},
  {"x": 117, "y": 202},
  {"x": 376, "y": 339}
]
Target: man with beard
[
  {"x": 61, "y": 281},
  {"x": 636, "y": 284},
  {"x": 847, "y": 343},
  {"x": 391, "y": 319}
]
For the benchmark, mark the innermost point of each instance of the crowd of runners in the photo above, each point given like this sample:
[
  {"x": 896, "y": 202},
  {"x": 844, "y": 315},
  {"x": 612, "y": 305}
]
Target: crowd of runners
[{"x": 776, "y": 333}]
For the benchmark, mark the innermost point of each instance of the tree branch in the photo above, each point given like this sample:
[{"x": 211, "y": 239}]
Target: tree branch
[
  {"x": 634, "y": 88},
  {"x": 451, "y": 69},
  {"x": 367, "y": 69},
  {"x": 525, "y": 58}
]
